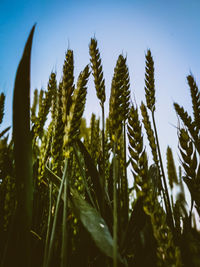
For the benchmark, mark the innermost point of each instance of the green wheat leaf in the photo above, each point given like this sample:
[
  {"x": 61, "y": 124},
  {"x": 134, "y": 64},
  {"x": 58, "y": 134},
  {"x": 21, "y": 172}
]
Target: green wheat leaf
[
  {"x": 23, "y": 156},
  {"x": 94, "y": 224}
]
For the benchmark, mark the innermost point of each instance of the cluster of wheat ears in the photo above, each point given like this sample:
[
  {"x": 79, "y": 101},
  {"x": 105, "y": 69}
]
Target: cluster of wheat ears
[{"x": 64, "y": 193}]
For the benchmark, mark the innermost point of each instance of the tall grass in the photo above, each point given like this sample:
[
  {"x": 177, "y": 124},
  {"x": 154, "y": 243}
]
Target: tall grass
[{"x": 64, "y": 195}]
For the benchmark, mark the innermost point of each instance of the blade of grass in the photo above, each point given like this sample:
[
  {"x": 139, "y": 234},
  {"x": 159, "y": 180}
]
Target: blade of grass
[
  {"x": 53, "y": 177},
  {"x": 48, "y": 225},
  {"x": 18, "y": 248},
  {"x": 50, "y": 251},
  {"x": 83, "y": 175},
  {"x": 95, "y": 177},
  {"x": 169, "y": 209},
  {"x": 94, "y": 224},
  {"x": 4, "y": 131},
  {"x": 64, "y": 228}
]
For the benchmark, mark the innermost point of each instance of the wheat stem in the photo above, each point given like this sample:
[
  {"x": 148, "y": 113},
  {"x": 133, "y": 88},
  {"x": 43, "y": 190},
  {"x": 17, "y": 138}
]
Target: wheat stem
[
  {"x": 64, "y": 229},
  {"x": 126, "y": 204},
  {"x": 168, "y": 206},
  {"x": 50, "y": 252},
  {"x": 83, "y": 175},
  {"x": 114, "y": 207},
  {"x": 103, "y": 151},
  {"x": 48, "y": 225}
]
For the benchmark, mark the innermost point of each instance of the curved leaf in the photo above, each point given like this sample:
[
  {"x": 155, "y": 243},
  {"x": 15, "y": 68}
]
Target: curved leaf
[{"x": 94, "y": 224}]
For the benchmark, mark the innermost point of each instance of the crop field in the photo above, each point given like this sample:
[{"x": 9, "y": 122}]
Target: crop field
[{"x": 65, "y": 199}]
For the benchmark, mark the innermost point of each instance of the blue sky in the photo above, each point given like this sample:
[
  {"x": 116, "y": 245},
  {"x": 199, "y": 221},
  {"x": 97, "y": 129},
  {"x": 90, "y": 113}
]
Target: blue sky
[{"x": 171, "y": 29}]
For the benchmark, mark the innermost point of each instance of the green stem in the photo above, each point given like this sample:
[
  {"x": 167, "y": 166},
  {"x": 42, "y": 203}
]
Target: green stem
[
  {"x": 58, "y": 179},
  {"x": 48, "y": 224},
  {"x": 114, "y": 208},
  {"x": 56, "y": 214},
  {"x": 168, "y": 206},
  {"x": 64, "y": 229},
  {"x": 126, "y": 204},
  {"x": 103, "y": 150}
]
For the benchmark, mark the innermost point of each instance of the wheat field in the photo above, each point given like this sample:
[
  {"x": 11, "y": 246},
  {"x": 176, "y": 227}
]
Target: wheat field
[{"x": 65, "y": 198}]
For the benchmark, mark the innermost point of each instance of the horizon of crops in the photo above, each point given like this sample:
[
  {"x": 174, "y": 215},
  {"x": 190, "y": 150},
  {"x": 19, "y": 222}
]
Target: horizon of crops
[{"x": 65, "y": 199}]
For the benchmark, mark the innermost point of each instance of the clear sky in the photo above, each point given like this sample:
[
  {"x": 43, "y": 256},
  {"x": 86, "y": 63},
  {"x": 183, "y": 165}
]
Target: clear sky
[{"x": 171, "y": 29}]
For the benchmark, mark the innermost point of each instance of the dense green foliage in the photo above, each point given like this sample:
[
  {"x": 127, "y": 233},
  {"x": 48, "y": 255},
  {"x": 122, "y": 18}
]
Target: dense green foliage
[{"x": 65, "y": 198}]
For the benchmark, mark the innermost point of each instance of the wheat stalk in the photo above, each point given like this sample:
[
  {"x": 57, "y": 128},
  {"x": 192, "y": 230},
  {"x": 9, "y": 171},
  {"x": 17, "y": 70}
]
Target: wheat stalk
[
  {"x": 57, "y": 135},
  {"x": 76, "y": 111},
  {"x": 97, "y": 71},
  {"x": 68, "y": 84},
  {"x": 195, "y": 95},
  {"x": 138, "y": 155}
]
